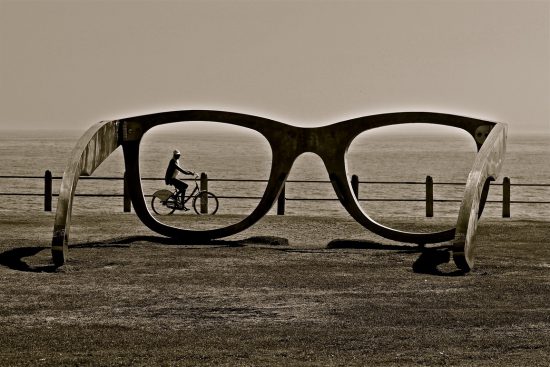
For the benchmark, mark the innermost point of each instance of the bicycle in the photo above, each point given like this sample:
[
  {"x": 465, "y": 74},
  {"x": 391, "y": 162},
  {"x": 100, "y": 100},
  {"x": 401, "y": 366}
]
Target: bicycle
[{"x": 166, "y": 202}]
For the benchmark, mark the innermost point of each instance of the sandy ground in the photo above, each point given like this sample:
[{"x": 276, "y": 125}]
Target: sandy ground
[{"x": 292, "y": 291}]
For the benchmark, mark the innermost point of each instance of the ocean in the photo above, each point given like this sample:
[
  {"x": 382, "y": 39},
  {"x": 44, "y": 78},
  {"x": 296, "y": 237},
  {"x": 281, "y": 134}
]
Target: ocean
[{"x": 400, "y": 157}]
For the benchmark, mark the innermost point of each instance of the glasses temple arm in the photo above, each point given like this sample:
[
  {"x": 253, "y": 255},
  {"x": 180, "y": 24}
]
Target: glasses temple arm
[
  {"x": 97, "y": 143},
  {"x": 486, "y": 168}
]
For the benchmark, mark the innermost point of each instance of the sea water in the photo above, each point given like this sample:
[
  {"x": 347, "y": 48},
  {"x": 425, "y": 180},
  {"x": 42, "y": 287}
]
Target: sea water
[{"x": 31, "y": 153}]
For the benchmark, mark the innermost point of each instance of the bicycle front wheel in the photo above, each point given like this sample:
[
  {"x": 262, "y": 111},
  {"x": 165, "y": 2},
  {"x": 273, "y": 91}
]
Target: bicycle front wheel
[
  {"x": 205, "y": 203},
  {"x": 163, "y": 207}
]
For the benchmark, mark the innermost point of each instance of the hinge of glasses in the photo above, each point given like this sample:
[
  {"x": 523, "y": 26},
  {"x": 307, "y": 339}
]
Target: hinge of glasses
[
  {"x": 131, "y": 131},
  {"x": 482, "y": 132}
]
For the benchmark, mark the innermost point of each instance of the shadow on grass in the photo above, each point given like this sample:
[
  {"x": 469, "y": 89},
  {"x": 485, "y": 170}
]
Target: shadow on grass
[
  {"x": 426, "y": 263},
  {"x": 127, "y": 241},
  {"x": 370, "y": 245},
  {"x": 431, "y": 258},
  {"x": 13, "y": 259}
]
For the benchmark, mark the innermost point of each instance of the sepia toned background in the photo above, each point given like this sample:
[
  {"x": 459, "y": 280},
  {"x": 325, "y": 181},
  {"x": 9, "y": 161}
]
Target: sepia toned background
[{"x": 311, "y": 287}]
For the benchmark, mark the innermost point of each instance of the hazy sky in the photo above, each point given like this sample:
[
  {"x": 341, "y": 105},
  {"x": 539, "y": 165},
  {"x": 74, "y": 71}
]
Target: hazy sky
[{"x": 73, "y": 63}]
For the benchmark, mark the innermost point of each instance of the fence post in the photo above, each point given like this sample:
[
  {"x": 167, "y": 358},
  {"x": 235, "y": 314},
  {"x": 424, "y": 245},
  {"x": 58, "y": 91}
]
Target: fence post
[
  {"x": 48, "y": 191},
  {"x": 429, "y": 196},
  {"x": 355, "y": 185},
  {"x": 127, "y": 201},
  {"x": 204, "y": 198},
  {"x": 281, "y": 202},
  {"x": 506, "y": 197}
]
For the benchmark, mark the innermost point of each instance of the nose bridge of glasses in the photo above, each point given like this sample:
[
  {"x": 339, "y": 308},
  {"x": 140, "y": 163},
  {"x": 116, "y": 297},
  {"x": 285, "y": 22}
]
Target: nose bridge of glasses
[
  {"x": 324, "y": 141},
  {"x": 329, "y": 144}
]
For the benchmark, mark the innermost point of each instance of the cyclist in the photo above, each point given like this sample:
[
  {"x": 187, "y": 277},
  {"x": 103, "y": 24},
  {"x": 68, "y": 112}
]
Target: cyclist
[{"x": 172, "y": 172}]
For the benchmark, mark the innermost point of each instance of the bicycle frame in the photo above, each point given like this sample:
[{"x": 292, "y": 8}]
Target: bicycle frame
[{"x": 192, "y": 194}]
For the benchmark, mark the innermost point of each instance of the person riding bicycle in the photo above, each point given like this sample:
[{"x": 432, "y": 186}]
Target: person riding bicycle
[{"x": 172, "y": 172}]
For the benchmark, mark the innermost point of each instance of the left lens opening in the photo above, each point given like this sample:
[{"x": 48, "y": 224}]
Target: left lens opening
[{"x": 232, "y": 164}]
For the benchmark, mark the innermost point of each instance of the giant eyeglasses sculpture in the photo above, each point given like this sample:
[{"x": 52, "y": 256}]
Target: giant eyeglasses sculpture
[{"x": 284, "y": 144}]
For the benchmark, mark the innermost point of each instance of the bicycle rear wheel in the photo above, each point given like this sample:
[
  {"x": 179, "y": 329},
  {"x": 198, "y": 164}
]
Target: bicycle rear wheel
[
  {"x": 163, "y": 205},
  {"x": 205, "y": 203}
]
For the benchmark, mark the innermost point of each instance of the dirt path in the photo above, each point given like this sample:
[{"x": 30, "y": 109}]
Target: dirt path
[{"x": 280, "y": 293}]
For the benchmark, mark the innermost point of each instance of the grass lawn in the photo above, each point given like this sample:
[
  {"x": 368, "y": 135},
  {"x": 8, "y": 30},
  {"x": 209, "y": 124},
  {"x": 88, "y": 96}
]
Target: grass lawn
[{"x": 281, "y": 293}]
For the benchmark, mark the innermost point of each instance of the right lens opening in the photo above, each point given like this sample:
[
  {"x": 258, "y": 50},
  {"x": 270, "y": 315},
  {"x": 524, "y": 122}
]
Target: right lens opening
[{"x": 393, "y": 164}]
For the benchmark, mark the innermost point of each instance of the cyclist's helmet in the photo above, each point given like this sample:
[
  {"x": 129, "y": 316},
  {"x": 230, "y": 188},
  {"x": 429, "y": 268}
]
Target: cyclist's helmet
[{"x": 177, "y": 153}]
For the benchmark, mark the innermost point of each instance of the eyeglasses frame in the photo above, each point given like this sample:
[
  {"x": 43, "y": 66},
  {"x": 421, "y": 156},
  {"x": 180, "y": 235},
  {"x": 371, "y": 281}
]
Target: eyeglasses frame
[{"x": 287, "y": 142}]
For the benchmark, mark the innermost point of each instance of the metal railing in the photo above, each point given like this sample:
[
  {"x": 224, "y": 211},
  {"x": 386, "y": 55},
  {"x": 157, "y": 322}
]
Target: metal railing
[{"x": 429, "y": 200}]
